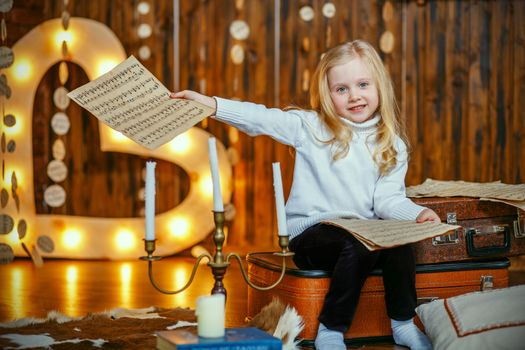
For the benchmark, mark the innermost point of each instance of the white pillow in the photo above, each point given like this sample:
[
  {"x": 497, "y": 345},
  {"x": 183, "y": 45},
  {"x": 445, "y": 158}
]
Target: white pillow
[{"x": 492, "y": 319}]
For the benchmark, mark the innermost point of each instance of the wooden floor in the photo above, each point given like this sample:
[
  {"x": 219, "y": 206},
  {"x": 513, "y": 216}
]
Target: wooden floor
[{"x": 76, "y": 288}]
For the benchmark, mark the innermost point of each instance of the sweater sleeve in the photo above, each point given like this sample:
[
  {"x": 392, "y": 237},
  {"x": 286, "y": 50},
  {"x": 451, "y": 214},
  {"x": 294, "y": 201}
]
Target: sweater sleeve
[
  {"x": 256, "y": 119},
  {"x": 390, "y": 201}
]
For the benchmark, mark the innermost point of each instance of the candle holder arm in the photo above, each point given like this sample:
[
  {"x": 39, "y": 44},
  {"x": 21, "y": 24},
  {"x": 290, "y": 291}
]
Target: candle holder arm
[
  {"x": 165, "y": 291},
  {"x": 247, "y": 279}
]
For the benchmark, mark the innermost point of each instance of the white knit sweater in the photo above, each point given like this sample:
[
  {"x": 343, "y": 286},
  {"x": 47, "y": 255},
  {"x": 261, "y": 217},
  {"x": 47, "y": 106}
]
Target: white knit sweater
[{"x": 322, "y": 188}]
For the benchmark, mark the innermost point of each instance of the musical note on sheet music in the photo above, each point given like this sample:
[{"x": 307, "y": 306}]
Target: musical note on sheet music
[
  {"x": 380, "y": 234},
  {"x": 131, "y": 100}
]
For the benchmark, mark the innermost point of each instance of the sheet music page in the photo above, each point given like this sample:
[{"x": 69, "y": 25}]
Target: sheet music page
[
  {"x": 131, "y": 100},
  {"x": 511, "y": 194},
  {"x": 517, "y": 204},
  {"x": 378, "y": 234}
]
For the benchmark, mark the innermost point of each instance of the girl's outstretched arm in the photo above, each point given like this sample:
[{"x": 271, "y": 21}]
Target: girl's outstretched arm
[
  {"x": 428, "y": 215},
  {"x": 195, "y": 96}
]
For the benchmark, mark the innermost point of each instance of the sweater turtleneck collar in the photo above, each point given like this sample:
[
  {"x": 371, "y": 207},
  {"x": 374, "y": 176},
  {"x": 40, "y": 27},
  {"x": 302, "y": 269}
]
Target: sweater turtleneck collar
[{"x": 365, "y": 126}]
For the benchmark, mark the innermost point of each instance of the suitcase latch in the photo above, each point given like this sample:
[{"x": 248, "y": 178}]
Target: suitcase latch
[
  {"x": 452, "y": 238},
  {"x": 487, "y": 282},
  {"x": 519, "y": 226}
]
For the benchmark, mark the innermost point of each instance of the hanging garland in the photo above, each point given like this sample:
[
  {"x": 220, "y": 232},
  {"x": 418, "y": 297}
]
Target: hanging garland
[{"x": 7, "y": 222}]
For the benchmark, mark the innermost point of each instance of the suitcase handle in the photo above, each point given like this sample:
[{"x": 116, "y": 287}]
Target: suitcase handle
[{"x": 490, "y": 250}]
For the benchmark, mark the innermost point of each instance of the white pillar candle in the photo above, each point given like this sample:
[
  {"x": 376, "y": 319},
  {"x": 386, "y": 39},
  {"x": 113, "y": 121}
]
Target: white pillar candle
[
  {"x": 150, "y": 201},
  {"x": 210, "y": 316},
  {"x": 216, "y": 180},
  {"x": 279, "y": 200}
]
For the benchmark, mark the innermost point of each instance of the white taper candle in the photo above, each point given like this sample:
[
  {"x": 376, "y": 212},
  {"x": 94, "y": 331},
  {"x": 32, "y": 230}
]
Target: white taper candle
[
  {"x": 150, "y": 201},
  {"x": 279, "y": 200},
  {"x": 216, "y": 180}
]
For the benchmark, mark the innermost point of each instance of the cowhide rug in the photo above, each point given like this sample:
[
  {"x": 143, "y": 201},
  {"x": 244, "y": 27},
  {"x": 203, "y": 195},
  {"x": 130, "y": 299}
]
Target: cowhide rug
[
  {"x": 116, "y": 329},
  {"x": 131, "y": 329}
]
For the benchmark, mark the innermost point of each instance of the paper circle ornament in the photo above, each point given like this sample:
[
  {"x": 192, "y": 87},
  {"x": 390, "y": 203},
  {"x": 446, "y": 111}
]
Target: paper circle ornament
[
  {"x": 144, "y": 31},
  {"x": 239, "y": 29},
  {"x": 55, "y": 196},
  {"x": 386, "y": 42},
  {"x": 6, "y": 224},
  {"x": 229, "y": 212},
  {"x": 4, "y": 197},
  {"x": 64, "y": 49},
  {"x": 143, "y": 8},
  {"x": 11, "y": 146},
  {"x": 202, "y": 53},
  {"x": 5, "y": 90},
  {"x": 14, "y": 182},
  {"x": 6, "y": 254},
  {"x": 60, "y": 123},
  {"x": 329, "y": 10},
  {"x": 239, "y": 4},
  {"x": 63, "y": 72},
  {"x": 306, "y": 13},
  {"x": 45, "y": 244},
  {"x": 141, "y": 194},
  {"x": 60, "y": 98},
  {"x": 6, "y": 5},
  {"x": 388, "y": 11},
  {"x": 144, "y": 52},
  {"x": 202, "y": 89},
  {"x": 9, "y": 120},
  {"x": 57, "y": 170},
  {"x": 65, "y": 19},
  {"x": 7, "y": 56},
  {"x": 59, "y": 149},
  {"x": 306, "y": 79},
  {"x": 237, "y": 54},
  {"x": 306, "y": 44},
  {"x": 21, "y": 228}
]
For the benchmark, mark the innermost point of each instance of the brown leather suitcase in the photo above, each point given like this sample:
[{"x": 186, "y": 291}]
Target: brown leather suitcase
[
  {"x": 489, "y": 229},
  {"x": 305, "y": 290}
]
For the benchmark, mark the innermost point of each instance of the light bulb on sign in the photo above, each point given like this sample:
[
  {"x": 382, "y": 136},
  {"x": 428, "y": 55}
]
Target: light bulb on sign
[
  {"x": 105, "y": 65},
  {"x": 179, "y": 227},
  {"x": 125, "y": 240},
  {"x": 22, "y": 69},
  {"x": 63, "y": 35},
  {"x": 71, "y": 238},
  {"x": 180, "y": 144}
]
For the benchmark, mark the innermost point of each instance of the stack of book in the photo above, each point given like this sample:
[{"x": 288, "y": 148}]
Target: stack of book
[{"x": 248, "y": 338}]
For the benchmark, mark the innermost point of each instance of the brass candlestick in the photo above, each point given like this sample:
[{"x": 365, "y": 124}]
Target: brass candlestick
[{"x": 217, "y": 263}]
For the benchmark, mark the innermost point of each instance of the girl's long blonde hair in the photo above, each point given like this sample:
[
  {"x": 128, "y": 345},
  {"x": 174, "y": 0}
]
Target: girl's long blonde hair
[{"x": 385, "y": 154}]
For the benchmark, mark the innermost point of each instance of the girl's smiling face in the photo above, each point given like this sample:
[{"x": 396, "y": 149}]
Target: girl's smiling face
[{"x": 353, "y": 91}]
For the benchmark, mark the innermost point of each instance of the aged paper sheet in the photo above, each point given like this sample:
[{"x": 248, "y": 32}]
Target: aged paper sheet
[
  {"x": 491, "y": 191},
  {"x": 379, "y": 234},
  {"x": 131, "y": 100}
]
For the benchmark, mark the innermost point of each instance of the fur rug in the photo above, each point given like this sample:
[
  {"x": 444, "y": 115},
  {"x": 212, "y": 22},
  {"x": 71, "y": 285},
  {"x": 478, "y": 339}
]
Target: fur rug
[
  {"x": 130, "y": 329},
  {"x": 280, "y": 320}
]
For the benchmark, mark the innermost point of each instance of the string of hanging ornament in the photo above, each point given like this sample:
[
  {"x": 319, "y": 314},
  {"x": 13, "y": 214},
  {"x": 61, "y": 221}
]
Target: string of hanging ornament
[
  {"x": 9, "y": 191},
  {"x": 57, "y": 171}
]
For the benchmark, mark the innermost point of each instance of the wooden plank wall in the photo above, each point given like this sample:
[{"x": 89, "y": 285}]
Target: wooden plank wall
[{"x": 458, "y": 68}]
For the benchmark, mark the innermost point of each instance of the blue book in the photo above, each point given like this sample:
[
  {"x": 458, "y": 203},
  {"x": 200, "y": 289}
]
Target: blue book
[{"x": 248, "y": 338}]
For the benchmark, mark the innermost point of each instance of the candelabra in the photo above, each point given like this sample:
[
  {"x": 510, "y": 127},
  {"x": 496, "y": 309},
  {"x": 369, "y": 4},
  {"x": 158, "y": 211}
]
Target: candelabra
[{"x": 218, "y": 263}]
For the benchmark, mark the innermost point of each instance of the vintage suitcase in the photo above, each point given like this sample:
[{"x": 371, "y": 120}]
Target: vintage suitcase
[
  {"x": 305, "y": 290},
  {"x": 489, "y": 229}
]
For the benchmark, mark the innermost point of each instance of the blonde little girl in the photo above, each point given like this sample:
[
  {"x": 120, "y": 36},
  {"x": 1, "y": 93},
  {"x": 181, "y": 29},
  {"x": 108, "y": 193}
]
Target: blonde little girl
[{"x": 350, "y": 161}]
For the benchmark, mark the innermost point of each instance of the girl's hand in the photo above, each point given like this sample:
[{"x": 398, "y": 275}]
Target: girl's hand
[
  {"x": 195, "y": 96},
  {"x": 428, "y": 215}
]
